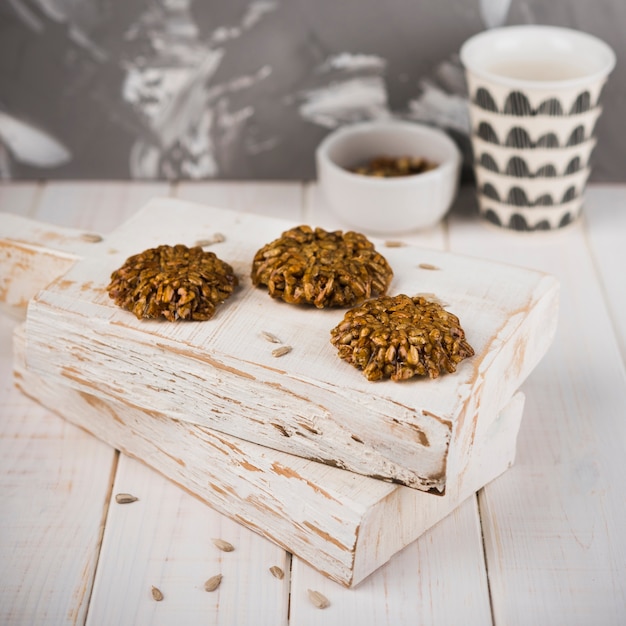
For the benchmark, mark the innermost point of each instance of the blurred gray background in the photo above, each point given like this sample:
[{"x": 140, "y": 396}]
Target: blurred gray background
[{"x": 240, "y": 89}]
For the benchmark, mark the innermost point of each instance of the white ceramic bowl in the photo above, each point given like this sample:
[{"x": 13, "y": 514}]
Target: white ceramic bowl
[{"x": 388, "y": 205}]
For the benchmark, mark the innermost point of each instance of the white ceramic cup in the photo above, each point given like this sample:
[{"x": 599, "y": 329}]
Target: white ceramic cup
[{"x": 542, "y": 85}]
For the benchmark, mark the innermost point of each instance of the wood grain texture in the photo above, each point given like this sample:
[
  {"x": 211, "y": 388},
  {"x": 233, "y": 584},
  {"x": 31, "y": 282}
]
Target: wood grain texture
[
  {"x": 170, "y": 536},
  {"x": 19, "y": 198},
  {"x": 555, "y": 553},
  {"x": 271, "y": 199},
  {"x": 304, "y": 406},
  {"x": 605, "y": 215},
  {"x": 54, "y": 492},
  {"x": 337, "y": 521},
  {"x": 553, "y": 522},
  {"x": 439, "y": 579}
]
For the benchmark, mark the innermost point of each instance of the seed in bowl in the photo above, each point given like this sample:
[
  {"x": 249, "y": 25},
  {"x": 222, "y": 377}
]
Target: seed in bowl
[
  {"x": 393, "y": 167},
  {"x": 400, "y": 337},
  {"x": 325, "y": 269},
  {"x": 174, "y": 282}
]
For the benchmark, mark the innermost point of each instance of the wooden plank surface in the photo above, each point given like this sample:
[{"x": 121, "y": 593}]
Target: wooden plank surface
[
  {"x": 553, "y": 523},
  {"x": 54, "y": 493},
  {"x": 605, "y": 220},
  {"x": 555, "y": 552}
]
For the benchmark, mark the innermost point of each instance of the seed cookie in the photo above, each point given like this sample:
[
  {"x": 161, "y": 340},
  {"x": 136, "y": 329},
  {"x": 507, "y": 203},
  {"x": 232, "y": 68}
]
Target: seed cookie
[
  {"x": 174, "y": 282},
  {"x": 321, "y": 268},
  {"x": 400, "y": 337}
]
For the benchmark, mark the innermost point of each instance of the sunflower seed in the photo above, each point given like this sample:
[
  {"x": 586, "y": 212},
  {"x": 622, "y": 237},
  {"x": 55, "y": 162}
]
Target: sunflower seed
[
  {"x": 277, "y": 572},
  {"x": 125, "y": 498},
  {"x": 281, "y": 351},
  {"x": 216, "y": 238},
  {"x": 224, "y": 546},
  {"x": 213, "y": 583},
  {"x": 318, "y": 599},
  {"x": 91, "y": 237},
  {"x": 157, "y": 594},
  {"x": 270, "y": 337}
]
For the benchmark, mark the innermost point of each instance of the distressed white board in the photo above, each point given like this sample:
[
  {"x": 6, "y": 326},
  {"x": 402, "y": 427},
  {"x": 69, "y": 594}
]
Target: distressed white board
[
  {"x": 343, "y": 524},
  {"x": 220, "y": 374},
  {"x": 337, "y": 521}
]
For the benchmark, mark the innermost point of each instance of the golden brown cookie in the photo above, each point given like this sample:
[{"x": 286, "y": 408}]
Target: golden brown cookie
[
  {"x": 174, "y": 282},
  {"x": 400, "y": 337},
  {"x": 326, "y": 269}
]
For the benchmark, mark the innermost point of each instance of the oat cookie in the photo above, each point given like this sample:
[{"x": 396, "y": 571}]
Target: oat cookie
[
  {"x": 326, "y": 269},
  {"x": 174, "y": 282},
  {"x": 400, "y": 337}
]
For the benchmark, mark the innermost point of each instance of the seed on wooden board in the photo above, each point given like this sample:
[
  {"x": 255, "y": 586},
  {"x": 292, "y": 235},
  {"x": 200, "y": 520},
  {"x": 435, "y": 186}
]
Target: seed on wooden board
[
  {"x": 224, "y": 546},
  {"x": 270, "y": 337},
  {"x": 281, "y": 351},
  {"x": 157, "y": 594},
  {"x": 125, "y": 498},
  {"x": 277, "y": 572},
  {"x": 318, "y": 599},
  {"x": 213, "y": 583},
  {"x": 216, "y": 238},
  {"x": 91, "y": 237}
]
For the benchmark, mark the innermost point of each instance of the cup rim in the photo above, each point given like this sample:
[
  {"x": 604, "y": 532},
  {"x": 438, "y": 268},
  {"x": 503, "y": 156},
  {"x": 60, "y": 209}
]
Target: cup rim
[{"x": 470, "y": 47}]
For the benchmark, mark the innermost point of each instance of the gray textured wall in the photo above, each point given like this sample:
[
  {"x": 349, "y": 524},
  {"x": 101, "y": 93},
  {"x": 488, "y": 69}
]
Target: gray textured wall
[{"x": 201, "y": 89}]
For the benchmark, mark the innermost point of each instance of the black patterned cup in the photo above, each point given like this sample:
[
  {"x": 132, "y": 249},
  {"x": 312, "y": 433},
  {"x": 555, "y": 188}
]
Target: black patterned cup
[{"x": 534, "y": 96}]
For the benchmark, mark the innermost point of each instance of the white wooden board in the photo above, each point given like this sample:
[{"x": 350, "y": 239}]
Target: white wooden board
[
  {"x": 335, "y": 520},
  {"x": 343, "y": 524},
  {"x": 221, "y": 374}
]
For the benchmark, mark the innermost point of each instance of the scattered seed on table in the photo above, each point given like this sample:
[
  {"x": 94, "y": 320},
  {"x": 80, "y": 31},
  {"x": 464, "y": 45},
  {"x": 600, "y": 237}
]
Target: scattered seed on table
[
  {"x": 427, "y": 266},
  {"x": 394, "y": 244},
  {"x": 125, "y": 498},
  {"x": 224, "y": 546},
  {"x": 318, "y": 599},
  {"x": 213, "y": 583},
  {"x": 270, "y": 337},
  {"x": 281, "y": 351},
  {"x": 157, "y": 594},
  {"x": 277, "y": 572}
]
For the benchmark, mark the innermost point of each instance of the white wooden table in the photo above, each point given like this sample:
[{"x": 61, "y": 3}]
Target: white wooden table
[{"x": 543, "y": 544}]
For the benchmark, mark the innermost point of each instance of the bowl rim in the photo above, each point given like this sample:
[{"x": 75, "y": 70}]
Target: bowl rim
[{"x": 453, "y": 161}]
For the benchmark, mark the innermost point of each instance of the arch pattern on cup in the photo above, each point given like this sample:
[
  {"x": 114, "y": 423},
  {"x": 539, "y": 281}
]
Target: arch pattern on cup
[
  {"x": 518, "y": 167},
  {"x": 518, "y": 137},
  {"x": 529, "y": 219},
  {"x": 518, "y": 104},
  {"x": 517, "y": 196}
]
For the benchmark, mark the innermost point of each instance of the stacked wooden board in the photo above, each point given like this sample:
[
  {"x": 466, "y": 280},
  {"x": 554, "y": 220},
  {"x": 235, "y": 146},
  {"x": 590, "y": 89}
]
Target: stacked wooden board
[{"x": 262, "y": 439}]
